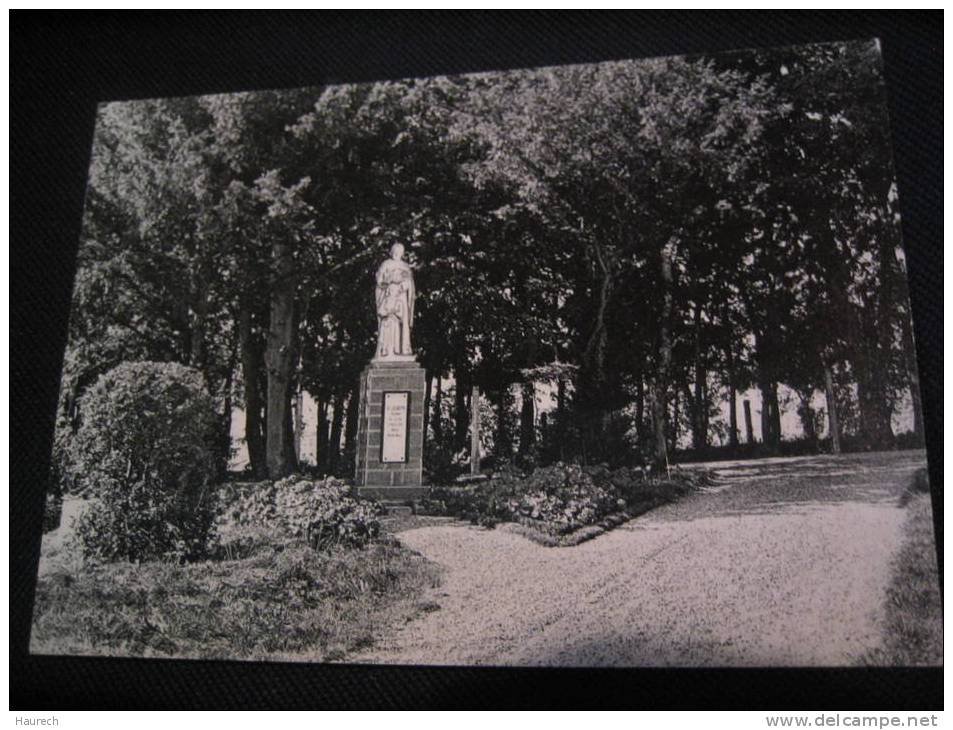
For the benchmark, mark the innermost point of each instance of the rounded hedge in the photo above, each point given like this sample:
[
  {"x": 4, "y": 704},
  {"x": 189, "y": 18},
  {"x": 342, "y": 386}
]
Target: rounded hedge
[{"x": 145, "y": 453}]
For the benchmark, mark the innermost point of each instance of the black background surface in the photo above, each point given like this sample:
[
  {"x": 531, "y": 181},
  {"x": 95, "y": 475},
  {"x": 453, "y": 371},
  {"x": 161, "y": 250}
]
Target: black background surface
[{"x": 63, "y": 63}]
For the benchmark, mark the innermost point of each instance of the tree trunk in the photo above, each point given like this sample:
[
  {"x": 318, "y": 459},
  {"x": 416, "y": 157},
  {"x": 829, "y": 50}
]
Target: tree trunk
[
  {"x": 875, "y": 428},
  {"x": 350, "y": 427},
  {"x": 660, "y": 382},
  {"x": 832, "y": 425},
  {"x": 659, "y": 410},
  {"x": 298, "y": 422},
  {"x": 503, "y": 438},
  {"x": 732, "y": 415},
  {"x": 883, "y": 322},
  {"x": 775, "y": 415},
  {"x": 673, "y": 423},
  {"x": 323, "y": 437},
  {"x": 874, "y": 406},
  {"x": 334, "y": 443},
  {"x": 806, "y": 413},
  {"x": 437, "y": 417},
  {"x": 475, "y": 431},
  {"x": 562, "y": 417},
  {"x": 592, "y": 406},
  {"x": 699, "y": 402},
  {"x": 767, "y": 438},
  {"x": 528, "y": 418},
  {"x": 428, "y": 386},
  {"x": 770, "y": 418},
  {"x": 732, "y": 383},
  {"x": 640, "y": 412},
  {"x": 289, "y": 441},
  {"x": 696, "y": 400},
  {"x": 749, "y": 426},
  {"x": 278, "y": 359},
  {"x": 251, "y": 367},
  {"x": 913, "y": 377},
  {"x": 460, "y": 412},
  {"x": 226, "y": 433}
]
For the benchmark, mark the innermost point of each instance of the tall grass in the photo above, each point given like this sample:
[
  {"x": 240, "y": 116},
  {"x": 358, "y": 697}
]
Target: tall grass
[
  {"x": 282, "y": 603},
  {"x": 914, "y": 621}
]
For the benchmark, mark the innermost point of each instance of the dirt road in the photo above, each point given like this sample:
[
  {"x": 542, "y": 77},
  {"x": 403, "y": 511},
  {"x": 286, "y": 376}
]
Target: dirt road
[{"x": 785, "y": 562}]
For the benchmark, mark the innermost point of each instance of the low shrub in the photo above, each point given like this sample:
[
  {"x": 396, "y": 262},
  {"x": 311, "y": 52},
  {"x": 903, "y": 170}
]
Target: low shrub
[
  {"x": 322, "y": 512},
  {"x": 556, "y": 500},
  {"x": 562, "y": 497},
  {"x": 145, "y": 452}
]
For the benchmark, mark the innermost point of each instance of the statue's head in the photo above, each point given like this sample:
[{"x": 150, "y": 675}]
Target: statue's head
[{"x": 397, "y": 251}]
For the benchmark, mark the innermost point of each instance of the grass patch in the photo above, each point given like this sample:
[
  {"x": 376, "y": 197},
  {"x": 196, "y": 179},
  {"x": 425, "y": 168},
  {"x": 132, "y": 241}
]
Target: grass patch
[
  {"x": 281, "y": 603},
  {"x": 913, "y": 635}
]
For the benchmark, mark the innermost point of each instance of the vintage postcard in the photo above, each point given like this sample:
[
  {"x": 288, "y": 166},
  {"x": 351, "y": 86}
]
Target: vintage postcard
[{"x": 595, "y": 365}]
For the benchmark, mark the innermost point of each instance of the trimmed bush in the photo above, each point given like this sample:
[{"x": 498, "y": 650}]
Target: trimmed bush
[
  {"x": 324, "y": 513},
  {"x": 145, "y": 453}
]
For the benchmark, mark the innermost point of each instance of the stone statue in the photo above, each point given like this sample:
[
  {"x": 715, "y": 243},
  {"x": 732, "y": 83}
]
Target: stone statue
[{"x": 394, "y": 297}]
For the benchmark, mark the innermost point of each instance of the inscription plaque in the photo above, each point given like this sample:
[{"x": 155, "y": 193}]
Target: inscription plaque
[{"x": 394, "y": 431}]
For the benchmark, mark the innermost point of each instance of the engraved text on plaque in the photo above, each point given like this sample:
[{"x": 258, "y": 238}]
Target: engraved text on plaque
[{"x": 396, "y": 412}]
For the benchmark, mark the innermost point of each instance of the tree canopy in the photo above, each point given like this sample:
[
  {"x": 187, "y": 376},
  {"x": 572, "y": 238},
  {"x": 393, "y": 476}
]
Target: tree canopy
[{"x": 646, "y": 238}]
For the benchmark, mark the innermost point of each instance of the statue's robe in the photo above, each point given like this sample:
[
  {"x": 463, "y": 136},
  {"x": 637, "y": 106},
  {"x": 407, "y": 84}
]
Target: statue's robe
[{"x": 394, "y": 297}]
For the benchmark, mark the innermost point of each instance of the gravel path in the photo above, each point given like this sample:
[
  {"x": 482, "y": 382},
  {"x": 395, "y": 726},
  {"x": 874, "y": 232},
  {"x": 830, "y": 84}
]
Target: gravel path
[{"x": 784, "y": 563}]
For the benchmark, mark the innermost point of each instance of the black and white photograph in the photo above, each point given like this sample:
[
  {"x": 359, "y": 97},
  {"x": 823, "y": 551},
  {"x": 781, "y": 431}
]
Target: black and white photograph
[{"x": 605, "y": 364}]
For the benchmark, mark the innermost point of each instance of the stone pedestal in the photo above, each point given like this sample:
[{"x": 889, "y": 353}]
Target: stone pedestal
[{"x": 390, "y": 431}]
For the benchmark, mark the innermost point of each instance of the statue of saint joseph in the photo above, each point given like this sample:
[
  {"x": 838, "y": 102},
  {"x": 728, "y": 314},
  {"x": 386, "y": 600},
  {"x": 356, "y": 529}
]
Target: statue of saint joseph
[{"x": 394, "y": 297}]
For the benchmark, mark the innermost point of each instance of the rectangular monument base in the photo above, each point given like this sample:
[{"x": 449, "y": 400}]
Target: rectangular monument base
[{"x": 390, "y": 439}]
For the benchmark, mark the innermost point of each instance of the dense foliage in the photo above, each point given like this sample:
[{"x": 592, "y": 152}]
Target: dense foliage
[
  {"x": 644, "y": 240},
  {"x": 144, "y": 454},
  {"x": 323, "y": 513},
  {"x": 558, "y": 499}
]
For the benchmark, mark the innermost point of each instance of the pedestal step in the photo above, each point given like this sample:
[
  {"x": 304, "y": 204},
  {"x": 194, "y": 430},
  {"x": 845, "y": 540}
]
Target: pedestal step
[{"x": 395, "y": 509}]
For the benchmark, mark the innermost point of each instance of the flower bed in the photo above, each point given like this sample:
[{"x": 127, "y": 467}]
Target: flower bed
[{"x": 559, "y": 501}]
